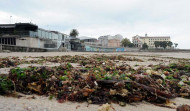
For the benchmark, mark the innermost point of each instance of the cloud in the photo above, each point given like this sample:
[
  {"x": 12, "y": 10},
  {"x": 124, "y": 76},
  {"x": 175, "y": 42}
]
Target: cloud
[{"x": 102, "y": 17}]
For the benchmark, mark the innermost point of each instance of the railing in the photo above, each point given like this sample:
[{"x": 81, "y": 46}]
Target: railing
[{"x": 20, "y": 33}]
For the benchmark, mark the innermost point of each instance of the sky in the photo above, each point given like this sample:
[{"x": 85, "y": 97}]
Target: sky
[{"x": 94, "y": 18}]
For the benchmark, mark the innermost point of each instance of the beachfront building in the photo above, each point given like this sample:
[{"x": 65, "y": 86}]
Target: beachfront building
[
  {"x": 74, "y": 44},
  {"x": 138, "y": 41},
  {"x": 85, "y": 39},
  {"x": 31, "y": 36},
  {"x": 110, "y": 41},
  {"x": 104, "y": 44}
]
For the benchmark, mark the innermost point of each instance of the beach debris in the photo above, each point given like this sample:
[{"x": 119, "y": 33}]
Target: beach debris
[
  {"x": 100, "y": 79},
  {"x": 6, "y": 86},
  {"x": 6, "y": 62},
  {"x": 183, "y": 108}
]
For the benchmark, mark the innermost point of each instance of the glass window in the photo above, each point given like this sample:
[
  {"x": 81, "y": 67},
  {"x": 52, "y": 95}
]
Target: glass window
[
  {"x": 47, "y": 34},
  {"x": 43, "y": 34},
  {"x": 39, "y": 33}
]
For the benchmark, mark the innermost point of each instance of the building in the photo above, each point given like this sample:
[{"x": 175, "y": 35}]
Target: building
[
  {"x": 114, "y": 43},
  {"x": 85, "y": 39},
  {"x": 73, "y": 43},
  {"x": 29, "y": 35},
  {"x": 110, "y": 41},
  {"x": 103, "y": 40},
  {"x": 138, "y": 41}
]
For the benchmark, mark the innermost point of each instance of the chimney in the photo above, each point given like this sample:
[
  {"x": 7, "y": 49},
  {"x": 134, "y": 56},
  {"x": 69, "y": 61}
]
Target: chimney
[{"x": 146, "y": 35}]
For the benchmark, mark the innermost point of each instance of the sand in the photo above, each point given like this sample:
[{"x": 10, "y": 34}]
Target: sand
[
  {"x": 37, "y": 54},
  {"x": 41, "y": 103}
]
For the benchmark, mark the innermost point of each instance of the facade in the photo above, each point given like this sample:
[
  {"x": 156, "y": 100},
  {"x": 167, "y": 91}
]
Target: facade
[
  {"x": 29, "y": 35},
  {"x": 73, "y": 43},
  {"x": 104, "y": 44},
  {"x": 114, "y": 43},
  {"x": 89, "y": 41},
  {"x": 138, "y": 41},
  {"x": 110, "y": 41},
  {"x": 103, "y": 40}
]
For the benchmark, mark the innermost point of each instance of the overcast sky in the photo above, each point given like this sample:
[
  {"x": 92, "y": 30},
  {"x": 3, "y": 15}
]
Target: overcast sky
[{"x": 94, "y": 18}]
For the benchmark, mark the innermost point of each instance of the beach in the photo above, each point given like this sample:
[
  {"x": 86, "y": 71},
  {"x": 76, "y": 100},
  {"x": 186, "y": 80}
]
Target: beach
[{"x": 42, "y": 103}]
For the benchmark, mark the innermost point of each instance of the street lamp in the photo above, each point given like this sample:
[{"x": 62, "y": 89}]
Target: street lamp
[{"x": 10, "y": 19}]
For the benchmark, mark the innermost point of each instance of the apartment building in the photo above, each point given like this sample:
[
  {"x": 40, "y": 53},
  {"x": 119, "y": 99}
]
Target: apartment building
[
  {"x": 138, "y": 41},
  {"x": 114, "y": 43},
  {"x": 110, "y": 41}
]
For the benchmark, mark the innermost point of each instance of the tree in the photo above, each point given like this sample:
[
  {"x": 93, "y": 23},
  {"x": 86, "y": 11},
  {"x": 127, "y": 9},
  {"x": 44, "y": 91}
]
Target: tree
[
  {"x": 74, "y": 33},
  {"x": 144, "y": 46},
  {"x": 169, "y": 44},
  {"x": 131, "y": 45},
  {"x": 157, "y": 44},
  {"x": 126, "y": 42},
  {"x": 163, "y": 44},
  {"x": 175, "y": 44}
]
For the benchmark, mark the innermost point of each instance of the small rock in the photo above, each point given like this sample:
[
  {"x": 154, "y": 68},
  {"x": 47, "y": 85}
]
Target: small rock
[
  {"x": 163, "y": 76},
  {"x": 122, "y": 103},
  {"x": 104, "y": 107},
  {"x": 148, "y": 72},
  {"x": 181, "y": 83}
]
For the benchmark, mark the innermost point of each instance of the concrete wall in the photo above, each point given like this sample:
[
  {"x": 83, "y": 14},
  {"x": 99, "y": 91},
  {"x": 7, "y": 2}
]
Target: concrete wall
[
  {"x": 98, "y": 49},
  {"x": 14, "y": 48},
  {"x": 30, "y": 42},
  {"x": 106, "y": 49},
  {"x": 128, "y": 49},
  {"x": 1, "y": 48}
]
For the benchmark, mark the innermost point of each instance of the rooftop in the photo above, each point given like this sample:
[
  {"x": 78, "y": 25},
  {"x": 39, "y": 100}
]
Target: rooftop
[
  {"x": 84, "y": 38},
  {"x": 157, "y": 37},
  {"x": 146, "y": 36}
]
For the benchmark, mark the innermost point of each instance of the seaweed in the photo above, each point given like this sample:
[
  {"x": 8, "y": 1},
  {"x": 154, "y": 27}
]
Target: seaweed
[{"x": 100, "y": 80}]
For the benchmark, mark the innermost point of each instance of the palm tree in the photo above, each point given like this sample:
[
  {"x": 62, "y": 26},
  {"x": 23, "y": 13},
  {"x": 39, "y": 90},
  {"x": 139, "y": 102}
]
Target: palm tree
[
  {"x": 74, "y": 33},
  {"x": 175, "y": 44}
]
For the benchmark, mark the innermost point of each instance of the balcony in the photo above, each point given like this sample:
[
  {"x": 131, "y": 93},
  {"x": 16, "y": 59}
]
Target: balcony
[{"x": 16, "y": 33}]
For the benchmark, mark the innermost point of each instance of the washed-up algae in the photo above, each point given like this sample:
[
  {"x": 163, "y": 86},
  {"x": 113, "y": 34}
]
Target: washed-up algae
[{"x": 100, "y": 80}]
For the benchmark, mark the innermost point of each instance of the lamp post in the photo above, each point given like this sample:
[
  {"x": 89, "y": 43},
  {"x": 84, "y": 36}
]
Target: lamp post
[{"x": 10, "y": 19}]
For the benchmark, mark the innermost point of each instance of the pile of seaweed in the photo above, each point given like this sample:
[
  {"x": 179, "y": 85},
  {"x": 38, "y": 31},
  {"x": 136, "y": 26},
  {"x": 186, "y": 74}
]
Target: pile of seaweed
[
  {"x": 6, "y": 62},
  {"x": 100, "y": 80}
]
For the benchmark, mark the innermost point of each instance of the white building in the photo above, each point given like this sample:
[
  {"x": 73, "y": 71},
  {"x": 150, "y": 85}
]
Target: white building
[{"x": 138, "y": 41}]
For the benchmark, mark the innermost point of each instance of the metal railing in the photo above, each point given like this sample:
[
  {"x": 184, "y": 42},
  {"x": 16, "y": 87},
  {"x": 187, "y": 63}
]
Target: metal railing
[{"x": 20, "y": 33}]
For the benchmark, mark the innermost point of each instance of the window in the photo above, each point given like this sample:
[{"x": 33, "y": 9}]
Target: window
[{"x": 3, "y": 40}]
